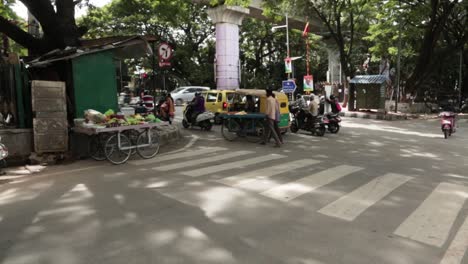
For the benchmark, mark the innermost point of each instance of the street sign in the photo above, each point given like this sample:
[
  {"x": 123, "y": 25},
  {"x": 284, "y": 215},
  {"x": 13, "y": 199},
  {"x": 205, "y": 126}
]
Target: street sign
[
  {"x": 164, "y": 64},
  {"x": 289, "y": 86},
  {"x": 165, "y": 51}
]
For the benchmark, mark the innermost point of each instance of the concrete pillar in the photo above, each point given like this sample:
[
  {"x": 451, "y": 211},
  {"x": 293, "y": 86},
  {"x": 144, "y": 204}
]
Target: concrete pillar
[
  {"x": 334, "y": 66},
  {"x": 227, "y": 20}
]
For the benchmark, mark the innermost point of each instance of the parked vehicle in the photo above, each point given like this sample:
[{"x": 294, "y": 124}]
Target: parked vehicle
[
  {"x": 3, "y": 156},
  {"x": 203, "y": 120},
  {"x": 448, "y": 123},
  {"x": 316, "y": 127},
  {"x": 185, "y": 94},
  {"x": 238, "y": 104},
  {"x": 218, "y": 102},
  {"x": 333, "y": 122}
]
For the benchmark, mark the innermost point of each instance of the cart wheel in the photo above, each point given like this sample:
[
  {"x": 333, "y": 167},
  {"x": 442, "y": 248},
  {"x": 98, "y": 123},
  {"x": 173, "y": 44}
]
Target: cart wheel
[
  {"x": 148, "y": 149},
  {"x": 257, "y": 135},
  {"x": 229, "y": 129},
  {"x": 133, "y": 137},
  {"x": 96, "y": 147},
  {"x": 113, "y": 153}
]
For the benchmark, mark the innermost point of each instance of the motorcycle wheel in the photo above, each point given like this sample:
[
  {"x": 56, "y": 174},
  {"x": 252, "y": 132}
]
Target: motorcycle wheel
[
  {"x": 446, "y": 132},
  {"x": 294, "y": 128},
  {"x": 320, "y": 131},
  {"x": 207, "y": 125},
  {"x": 333, "y": 128},
  {"x": 185, "y": 124}
]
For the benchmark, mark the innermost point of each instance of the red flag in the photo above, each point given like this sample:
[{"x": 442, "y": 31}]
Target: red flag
[{"x": 305, "y": 33}]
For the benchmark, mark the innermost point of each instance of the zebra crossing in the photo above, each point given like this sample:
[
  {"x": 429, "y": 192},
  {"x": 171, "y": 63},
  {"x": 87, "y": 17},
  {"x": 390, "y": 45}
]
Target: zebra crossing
[{"x": 422, "y": 225}]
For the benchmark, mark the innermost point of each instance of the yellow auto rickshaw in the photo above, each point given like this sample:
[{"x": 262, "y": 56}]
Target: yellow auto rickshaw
[{"x": 259, "y": 95}]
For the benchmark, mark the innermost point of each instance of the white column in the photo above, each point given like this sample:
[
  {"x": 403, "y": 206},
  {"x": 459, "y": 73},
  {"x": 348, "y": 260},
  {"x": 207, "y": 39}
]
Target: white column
[
  {"x": 334, "y": 66},
  {"x": 227, "y": 20}
]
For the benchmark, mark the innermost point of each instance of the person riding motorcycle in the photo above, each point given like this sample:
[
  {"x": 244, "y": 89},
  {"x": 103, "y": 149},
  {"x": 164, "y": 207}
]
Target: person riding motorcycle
[
  {"x": 321, "y": 108},
  {"x": 313, "y": 110},
  {"x": 303, "y": 108},
  {"x": 336, "y": 108},
  {"x": 197, "y": 106}
]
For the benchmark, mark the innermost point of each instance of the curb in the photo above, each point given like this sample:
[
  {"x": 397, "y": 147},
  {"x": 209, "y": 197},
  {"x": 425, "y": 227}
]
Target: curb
[
  {"x": 168, "y": 133},
  {"x": 385, "y": 117}
]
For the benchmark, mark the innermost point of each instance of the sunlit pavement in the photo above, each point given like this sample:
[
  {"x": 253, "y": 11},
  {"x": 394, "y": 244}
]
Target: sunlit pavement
[{"x": 377, "y": 192}]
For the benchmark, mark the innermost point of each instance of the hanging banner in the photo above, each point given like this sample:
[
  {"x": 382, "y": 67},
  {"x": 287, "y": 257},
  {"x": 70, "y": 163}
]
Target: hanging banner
[
  {"x": 288, "y": 65},
  {"x": 308, "y": 83}
]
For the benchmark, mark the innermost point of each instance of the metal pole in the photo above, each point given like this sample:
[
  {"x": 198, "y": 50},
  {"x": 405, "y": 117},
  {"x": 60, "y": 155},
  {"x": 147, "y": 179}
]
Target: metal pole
[
  {"x": 154, "y": 68},
  {"x": 287, "y": 34},
  {"x": 398, "y": 58},
  {"x": 460, "y": 78},
  {"x": 287, "y": 44}
]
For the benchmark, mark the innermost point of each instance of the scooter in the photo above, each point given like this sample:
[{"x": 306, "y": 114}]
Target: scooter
[
  {"x": 317, "y": 127},
  {"x": 333, "y": 122},
  {"x": 3, "y": 156},
  {"x": 448, "y": 123},
  {"x": 202, "y": 120}
]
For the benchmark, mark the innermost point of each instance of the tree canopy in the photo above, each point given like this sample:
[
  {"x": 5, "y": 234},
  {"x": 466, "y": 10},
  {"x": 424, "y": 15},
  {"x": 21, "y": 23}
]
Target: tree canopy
[{"x": 433, "y": 35}]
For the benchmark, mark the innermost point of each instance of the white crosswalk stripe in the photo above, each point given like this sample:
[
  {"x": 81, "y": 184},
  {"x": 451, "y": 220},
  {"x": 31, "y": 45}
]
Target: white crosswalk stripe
[
  {"x": 194, "y": 162},
  {"x": 232, "y": 165},
  {"x": 181, "y": 155},
  {"x": 248, "y": 177},
  {"x": 353, "y": 204},
  {"x": 458, "y": 247},
  {"x": 289, "y": 191},
  {"x": 431, "y": 222}
]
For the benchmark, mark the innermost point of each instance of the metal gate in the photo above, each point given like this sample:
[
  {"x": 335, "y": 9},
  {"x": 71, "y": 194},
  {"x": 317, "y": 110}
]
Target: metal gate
[{"x": 50, "y": 116}]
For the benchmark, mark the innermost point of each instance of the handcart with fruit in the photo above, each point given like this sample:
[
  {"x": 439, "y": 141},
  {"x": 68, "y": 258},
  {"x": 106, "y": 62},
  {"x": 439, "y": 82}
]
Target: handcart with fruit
[{"x": 117, "y": 137}]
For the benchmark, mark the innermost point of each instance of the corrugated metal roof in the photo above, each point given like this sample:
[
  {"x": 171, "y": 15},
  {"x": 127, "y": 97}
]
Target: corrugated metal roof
[
  {"x": 369, "y": 79},
  {"x": 139, "y": 44}
]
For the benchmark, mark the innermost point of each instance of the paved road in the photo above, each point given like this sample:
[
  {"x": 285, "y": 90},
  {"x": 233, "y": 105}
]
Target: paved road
[{"x": 378, "y": 192}]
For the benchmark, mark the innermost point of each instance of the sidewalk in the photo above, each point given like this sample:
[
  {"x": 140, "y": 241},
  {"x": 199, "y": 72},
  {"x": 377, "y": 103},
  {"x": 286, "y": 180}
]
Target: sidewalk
[
  {"x": 391, "y": 116},
  {"x": 167, "y": 134}
]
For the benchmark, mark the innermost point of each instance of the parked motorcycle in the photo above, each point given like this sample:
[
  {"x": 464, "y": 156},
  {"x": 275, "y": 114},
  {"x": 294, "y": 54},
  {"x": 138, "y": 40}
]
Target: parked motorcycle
[
  {"x": 316, "y": 127},
  {"x": 3, "y": 155},
  {"x": 333, "y": 122},
  {"x": 202, "y": 120},
  {"x": 448, "y": 123}
]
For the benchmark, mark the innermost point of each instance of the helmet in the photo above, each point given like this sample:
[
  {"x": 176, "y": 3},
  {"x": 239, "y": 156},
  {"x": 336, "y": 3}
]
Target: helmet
[{"x": 332, "y": 97}]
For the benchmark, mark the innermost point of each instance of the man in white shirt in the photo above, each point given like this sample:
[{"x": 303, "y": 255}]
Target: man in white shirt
[{"x": 272, "y": 120}]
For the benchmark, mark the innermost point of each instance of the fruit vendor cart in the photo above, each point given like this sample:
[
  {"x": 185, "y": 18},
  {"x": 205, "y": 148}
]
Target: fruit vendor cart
[{"x": 117, "y": 144}]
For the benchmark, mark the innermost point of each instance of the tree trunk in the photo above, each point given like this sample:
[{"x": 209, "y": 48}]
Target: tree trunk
[{"x": 59, "y": 26}]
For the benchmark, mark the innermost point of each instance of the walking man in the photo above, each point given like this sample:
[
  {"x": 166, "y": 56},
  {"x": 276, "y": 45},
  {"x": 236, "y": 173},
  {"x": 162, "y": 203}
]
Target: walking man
[{"x": 272, "y": 114}]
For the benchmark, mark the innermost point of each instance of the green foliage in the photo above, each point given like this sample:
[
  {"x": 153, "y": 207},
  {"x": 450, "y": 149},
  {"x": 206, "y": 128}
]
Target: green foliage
[{"x": 182, "y": 23}]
